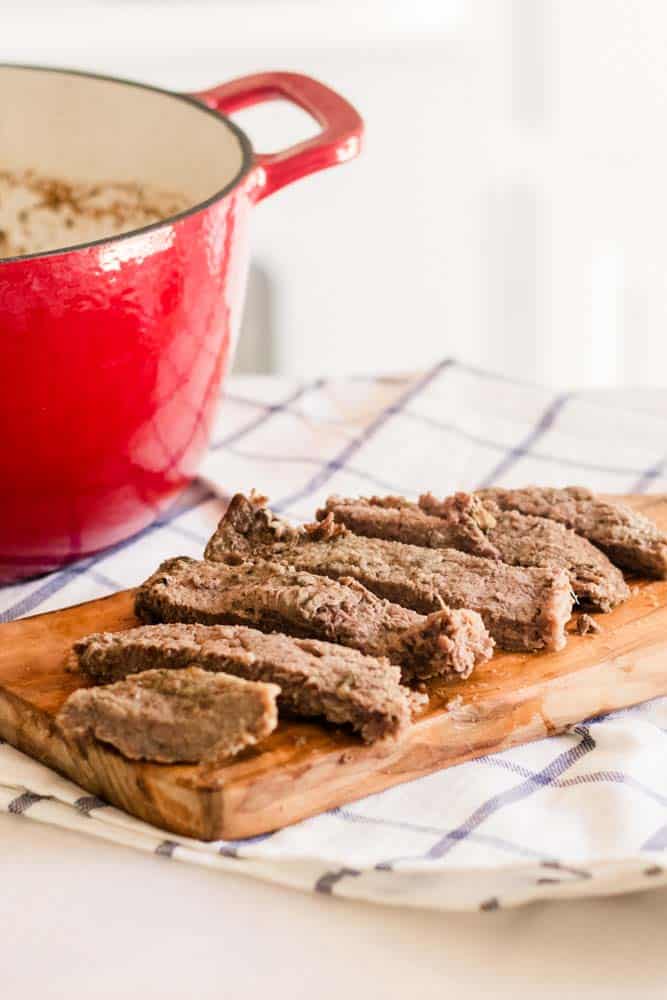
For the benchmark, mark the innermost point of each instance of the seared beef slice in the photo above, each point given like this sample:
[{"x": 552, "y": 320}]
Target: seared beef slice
[
  {"x": 174, "y": 716},
  {"x": 399, "y": 520},
  {"x": 315, "y": 678},
  {"x": 274, "y": 596},
  {"x": 523, "y": 609},
  {"x": 630, "y": 540},
  {"x": 464, "y": 522}
]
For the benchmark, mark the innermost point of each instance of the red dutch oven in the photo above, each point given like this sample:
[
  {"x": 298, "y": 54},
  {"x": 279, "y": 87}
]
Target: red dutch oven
[{"x": 112, "y": 353}]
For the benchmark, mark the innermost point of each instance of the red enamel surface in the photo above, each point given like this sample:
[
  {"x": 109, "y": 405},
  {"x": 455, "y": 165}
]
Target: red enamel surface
[
  {"x": 339, "y": 140},
  {"x": 112, "y": 356}
]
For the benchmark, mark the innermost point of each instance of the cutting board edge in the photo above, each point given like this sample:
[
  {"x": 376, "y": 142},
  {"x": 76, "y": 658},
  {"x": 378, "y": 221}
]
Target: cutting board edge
[
  {"x": 174, "y": 806},
  {"x": 416, "y": 757}
]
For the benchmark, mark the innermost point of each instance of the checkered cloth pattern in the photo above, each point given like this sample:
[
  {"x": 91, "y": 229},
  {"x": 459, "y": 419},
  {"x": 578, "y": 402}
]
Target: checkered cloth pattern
[{"x": 581, "y": 814}]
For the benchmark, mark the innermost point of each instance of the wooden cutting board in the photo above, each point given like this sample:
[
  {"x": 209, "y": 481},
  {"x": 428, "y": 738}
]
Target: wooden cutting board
[{"x": 306, "y": 768}]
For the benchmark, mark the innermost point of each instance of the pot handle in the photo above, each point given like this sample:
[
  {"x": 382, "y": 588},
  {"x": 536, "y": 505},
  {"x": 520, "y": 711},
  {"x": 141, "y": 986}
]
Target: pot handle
[{"x": 339, "y": 140}]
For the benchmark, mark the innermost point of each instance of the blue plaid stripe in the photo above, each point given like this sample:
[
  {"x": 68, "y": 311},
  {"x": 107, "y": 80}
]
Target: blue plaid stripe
[
  {"x": 267, "y": 412},
  {"x": 649, "y": 476},
  {"x": 657, "y": 841},
  {"x": 533, "y": 783},
  {"x": 546, "y": 421},
  {"x": 378, "y": 423},
  {"x": 33, "y": 595},
  {"x": 23, "y": 802}
]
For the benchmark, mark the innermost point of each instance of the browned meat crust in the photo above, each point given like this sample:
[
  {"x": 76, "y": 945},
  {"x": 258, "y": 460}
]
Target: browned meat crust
[
  {"x": 464, "y": 522},
  {"x": 523, "y": 609},
  {"x": 397, "y": 519},
  {"x": 587, "y": 625},
  {"x": 173, "y": 716},
  {"x": 523, "y": 540},
  {"x": 629, "y": 539},
  {"x": 277, "y": 597},
  {"x": 315, "y": 678}
]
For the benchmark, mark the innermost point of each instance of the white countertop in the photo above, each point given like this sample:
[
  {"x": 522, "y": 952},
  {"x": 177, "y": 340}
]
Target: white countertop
[{"x": 82, "y": 919}]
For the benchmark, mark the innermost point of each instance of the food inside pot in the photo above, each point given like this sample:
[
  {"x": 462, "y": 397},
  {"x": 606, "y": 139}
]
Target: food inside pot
[{"x": 40, "y": 213}]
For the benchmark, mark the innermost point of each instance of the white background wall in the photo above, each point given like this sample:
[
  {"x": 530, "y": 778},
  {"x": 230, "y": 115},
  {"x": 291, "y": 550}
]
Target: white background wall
[{"x": 509, "y": 207}]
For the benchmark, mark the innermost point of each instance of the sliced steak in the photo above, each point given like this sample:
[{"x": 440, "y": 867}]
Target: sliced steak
[
  {"x": 523, "y": 540},
  {"x": 465, "y": 522},
  {"x": 399, "y": 520},
  {"x": 276, "y": 597},
  {"x": 315, "y": 678},
  {"x": 523, "y": 609},
  {"x": 630, "y": 540},
  {"x": 174, "y": 716},
  {"x": 587, "y": 625}
]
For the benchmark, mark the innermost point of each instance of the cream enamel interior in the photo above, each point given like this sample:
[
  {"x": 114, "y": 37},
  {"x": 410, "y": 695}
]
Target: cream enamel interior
[{"x": 90, "y": 130}]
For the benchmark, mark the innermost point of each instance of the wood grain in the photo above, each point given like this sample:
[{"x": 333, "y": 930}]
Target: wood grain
[{"x": 305, "y": 768}]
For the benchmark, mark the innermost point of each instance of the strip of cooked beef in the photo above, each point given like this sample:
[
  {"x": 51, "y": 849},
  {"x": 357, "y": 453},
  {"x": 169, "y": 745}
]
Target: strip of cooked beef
[
  {"x": 587, "y": 625},
  {"x": 399, "y": 520},
  {"x": 523, "y": 609},
  {"x": 277, "y": 597},
  {"x": 315, "y": 678},
  {"x": 174, "y": 716},
  {"x": 465, "y": 522},
  {"x": 630, "y": 540}
]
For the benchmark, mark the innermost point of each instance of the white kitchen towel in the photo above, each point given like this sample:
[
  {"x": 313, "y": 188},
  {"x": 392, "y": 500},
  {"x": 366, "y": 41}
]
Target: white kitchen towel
[{"x": 580, "y": 814}]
